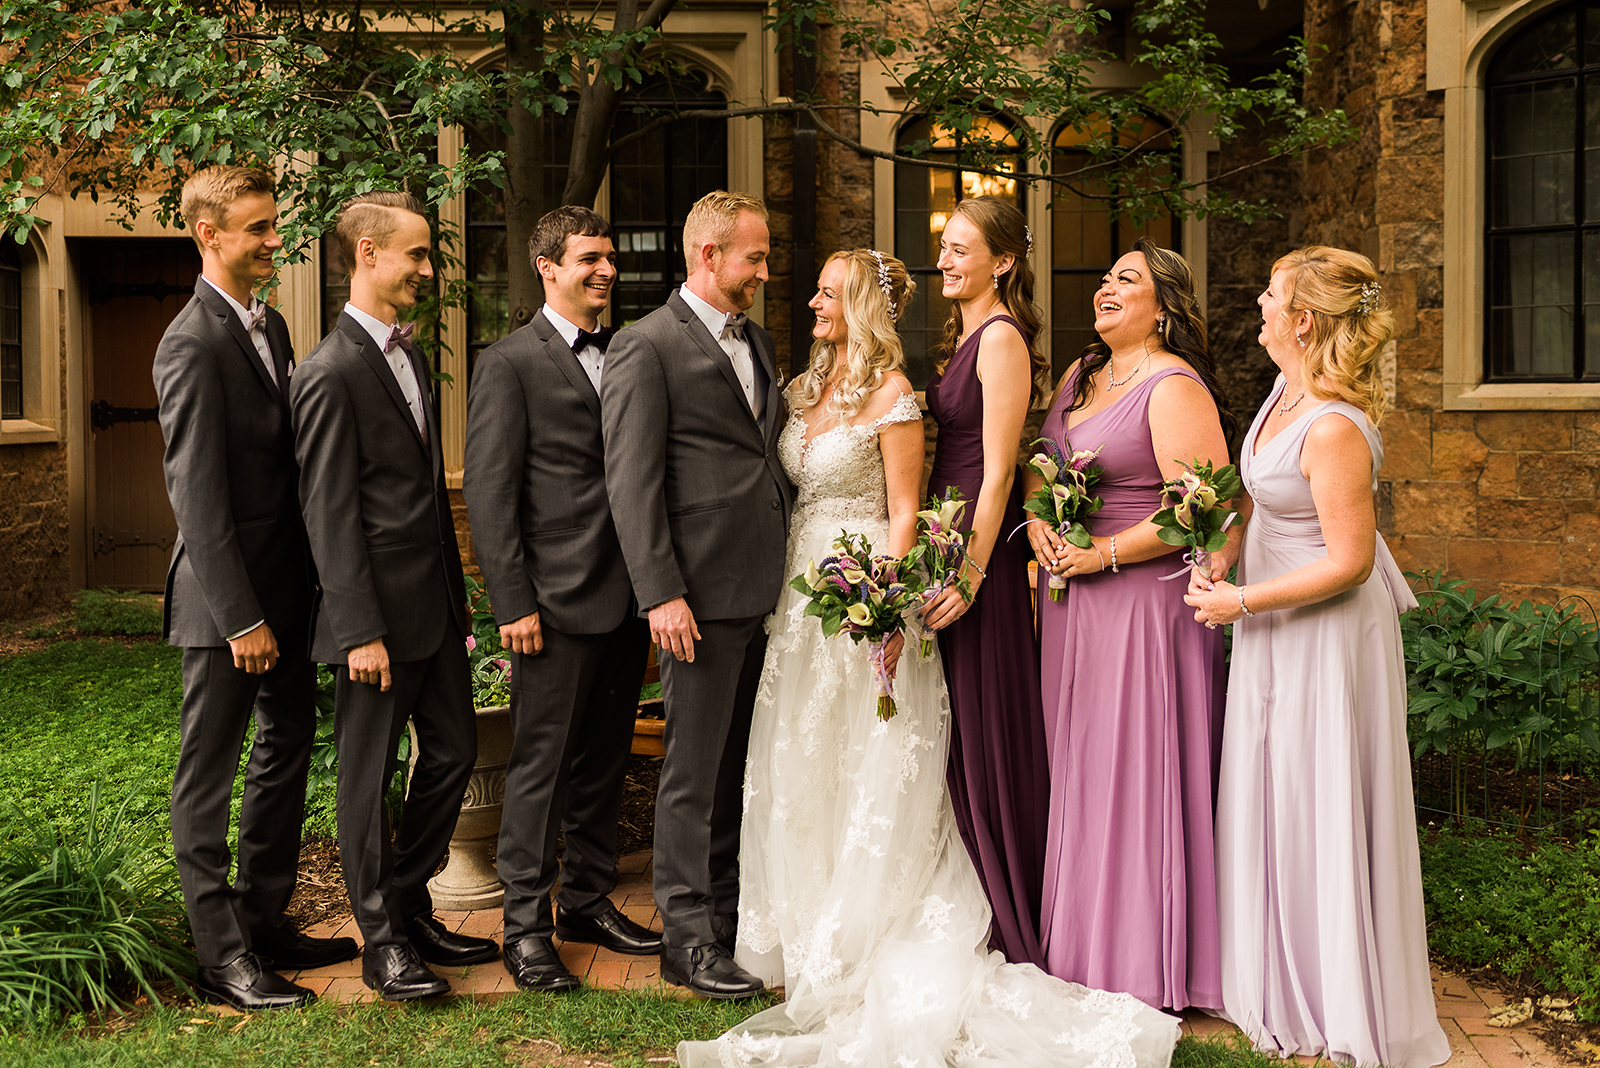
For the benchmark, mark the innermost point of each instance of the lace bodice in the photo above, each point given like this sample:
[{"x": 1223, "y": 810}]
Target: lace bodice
[{"x": 838, "y": 474}]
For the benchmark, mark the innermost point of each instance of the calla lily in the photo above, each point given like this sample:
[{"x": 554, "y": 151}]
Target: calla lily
[
  {"x": 853, "y": 576},
  {"x": 1205, "y": 497},
  {"x": 1083, "y": 458},
  {"x": 859, "y": 614},
  {"x": 1184, "y": 514},
  {"x": 813, "y": 576},
  {"x": 1045, "y": 466}
]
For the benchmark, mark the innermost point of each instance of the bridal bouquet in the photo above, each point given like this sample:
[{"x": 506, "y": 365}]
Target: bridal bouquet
[
  {"x": 940, "y": 554},
  {"x": 863, "y": 594},
  {"x": 1064, "y": 501},
  {"x": 1197, "y": 513}
]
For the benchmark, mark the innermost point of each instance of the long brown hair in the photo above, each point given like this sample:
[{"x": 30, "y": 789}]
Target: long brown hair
[
  {"x": 1183, "y": 330},
  {"x": 1005, "y": 230}
]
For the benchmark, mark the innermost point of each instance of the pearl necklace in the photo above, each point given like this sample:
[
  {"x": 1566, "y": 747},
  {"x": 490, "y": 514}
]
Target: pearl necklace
[
  {"x": 1111, "y": 371},
  {"x": 1285, "y": 409}
]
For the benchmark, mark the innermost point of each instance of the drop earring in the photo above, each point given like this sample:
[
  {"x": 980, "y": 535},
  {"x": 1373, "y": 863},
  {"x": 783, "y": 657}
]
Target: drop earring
[{"x": 997, "y": 279}]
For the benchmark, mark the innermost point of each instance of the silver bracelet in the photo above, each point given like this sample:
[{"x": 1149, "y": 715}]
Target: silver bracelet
[
  {"x": 1114, "y": 568},
  {"x": 978, "y": 566},
  {"x": 1242, "y": 606}
]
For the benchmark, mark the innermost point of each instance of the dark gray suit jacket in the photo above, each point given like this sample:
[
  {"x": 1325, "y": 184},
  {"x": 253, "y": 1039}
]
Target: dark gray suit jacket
[
  {"x": 375, "y": 505},
  {"x": 241, "y": 554},
  {"x": 535, "y": 487},
  {"x": 699, "y": 497}
]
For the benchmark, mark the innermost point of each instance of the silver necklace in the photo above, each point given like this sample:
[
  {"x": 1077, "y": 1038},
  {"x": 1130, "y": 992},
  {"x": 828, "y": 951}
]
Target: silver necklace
[
  {"x": 1111, "y": 371},
  {"x": 1285, "y": 409}
]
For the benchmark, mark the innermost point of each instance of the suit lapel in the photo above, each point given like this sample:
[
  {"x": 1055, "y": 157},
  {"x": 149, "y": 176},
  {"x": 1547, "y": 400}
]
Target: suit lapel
[
  {"x": 424, "y": 379},
  {"x": 691, "y": 325},
  {"x": 774, "y": 411},
  {"x": 219, "y": 307},
  {"x": 560, "y": 353},
  {"x": 380, "y": 367}
]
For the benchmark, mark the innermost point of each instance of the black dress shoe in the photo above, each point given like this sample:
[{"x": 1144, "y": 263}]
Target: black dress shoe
[
  {"x": 535, "y": 965},
  {"x": 398, "y": 974},
  {"x": 709, "y": 971},
  {"x": 436, "y": 944},
  {"x": 287, "y": 948},
  {"x": 608, "y": 928},
  {"x": 248, "y": 987}
]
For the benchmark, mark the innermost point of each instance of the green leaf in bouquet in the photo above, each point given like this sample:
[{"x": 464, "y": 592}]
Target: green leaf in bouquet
[
  {"x": 1164, "y": 518},
  {"x": 1039, "y": 508},
  {"x": 1079, "y": 536},
  {"x": 1215, "y": 540},
  {"x": 1173, "y": 535},
  {"x": 831, "y": 624},
  {"x": 1227, "y": 483},
  {"x": 800, "y": 585}
]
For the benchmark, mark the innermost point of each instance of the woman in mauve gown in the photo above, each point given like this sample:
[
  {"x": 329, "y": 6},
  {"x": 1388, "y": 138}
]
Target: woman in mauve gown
[
  {"x": 1133, "y": 689},
  {"x": 1324, "y": 940},
  {"x": 989, "y": 372}
]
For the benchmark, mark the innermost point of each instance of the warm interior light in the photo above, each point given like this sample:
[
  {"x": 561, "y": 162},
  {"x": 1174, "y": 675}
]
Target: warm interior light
[{"x": 937, "y": 221}]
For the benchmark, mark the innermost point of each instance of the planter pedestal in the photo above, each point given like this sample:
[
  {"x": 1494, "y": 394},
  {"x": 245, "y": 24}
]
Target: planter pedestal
[{"x": 469, "y": 880}]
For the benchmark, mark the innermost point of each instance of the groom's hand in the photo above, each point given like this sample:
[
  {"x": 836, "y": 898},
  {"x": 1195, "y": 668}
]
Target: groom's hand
[
  {"x": 523, "y": 635},
  {"x": 672, "y": 628}
]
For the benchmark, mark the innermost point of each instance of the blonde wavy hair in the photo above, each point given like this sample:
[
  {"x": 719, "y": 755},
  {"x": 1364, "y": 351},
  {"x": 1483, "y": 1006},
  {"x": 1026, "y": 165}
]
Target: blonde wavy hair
[
  {"x": 873, "y": 348},
  {"x": 1350, "y": 323}
]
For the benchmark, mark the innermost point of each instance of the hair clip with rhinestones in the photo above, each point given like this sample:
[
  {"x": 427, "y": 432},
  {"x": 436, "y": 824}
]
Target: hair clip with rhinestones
[
  {"x": 1369, "y": 298},
  {"x": 883, "y": 281}
]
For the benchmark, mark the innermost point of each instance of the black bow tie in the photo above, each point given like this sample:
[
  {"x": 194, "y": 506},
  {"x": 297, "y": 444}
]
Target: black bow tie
[{"x": 600, "y": 339}]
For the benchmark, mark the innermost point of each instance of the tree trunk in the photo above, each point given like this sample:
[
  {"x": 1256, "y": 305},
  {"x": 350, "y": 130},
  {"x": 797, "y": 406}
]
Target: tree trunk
[{"x": 526, "y": 149}]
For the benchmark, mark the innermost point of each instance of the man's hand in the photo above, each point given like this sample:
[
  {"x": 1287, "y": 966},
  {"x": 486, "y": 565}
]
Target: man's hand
[
  {"x": 672, "y": 628},
  {"x": 255, "y": 652},
  {"x": 369, "y": 663},
  {"x": 523, "y": 635}
]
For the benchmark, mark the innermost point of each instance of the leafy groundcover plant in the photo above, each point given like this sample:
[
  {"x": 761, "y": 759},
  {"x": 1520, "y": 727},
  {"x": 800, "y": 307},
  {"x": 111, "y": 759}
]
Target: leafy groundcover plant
[{"x": 87, "y": 915}]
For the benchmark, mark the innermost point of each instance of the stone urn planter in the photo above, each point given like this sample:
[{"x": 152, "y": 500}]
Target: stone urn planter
[{"x": 469, "y": 880}]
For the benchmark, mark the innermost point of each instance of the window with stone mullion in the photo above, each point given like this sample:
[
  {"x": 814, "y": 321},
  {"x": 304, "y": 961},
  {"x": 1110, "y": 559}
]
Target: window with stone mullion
[{"x": 10, "y": 329}]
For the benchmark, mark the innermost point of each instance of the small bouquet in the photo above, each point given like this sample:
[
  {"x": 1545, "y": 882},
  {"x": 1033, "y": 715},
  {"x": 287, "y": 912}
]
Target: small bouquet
[
  {"x": 1197, "y": 514},
  {"x": 862, "y": 594},
  {"x": 1063, "y": 502},
  {"x": 940, "y": 554}
]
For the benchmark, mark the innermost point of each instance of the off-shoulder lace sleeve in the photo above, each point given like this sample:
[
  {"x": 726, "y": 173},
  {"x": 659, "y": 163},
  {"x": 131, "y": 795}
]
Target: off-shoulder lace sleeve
[{"x": 903, "y": 410}]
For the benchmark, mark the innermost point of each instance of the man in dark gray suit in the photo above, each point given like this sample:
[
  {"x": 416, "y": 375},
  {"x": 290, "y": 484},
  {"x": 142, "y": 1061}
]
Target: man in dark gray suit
[
  {"x": 238, "y": 600},
  {"x": 542, "y": 530},
  {"x": 692, "y": 410},
  {"x": 392, "y": 612}
]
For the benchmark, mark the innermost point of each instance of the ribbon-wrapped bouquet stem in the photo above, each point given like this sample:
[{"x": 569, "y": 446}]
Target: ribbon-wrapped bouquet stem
[
  {"x": 1065, "y": 500},
  {"x": 1197, "y": 513},
  {"x": 863, "y": 594}
]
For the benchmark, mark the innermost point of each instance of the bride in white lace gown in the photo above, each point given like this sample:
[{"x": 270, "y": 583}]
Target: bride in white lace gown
[{"x": 856, "y": 893}]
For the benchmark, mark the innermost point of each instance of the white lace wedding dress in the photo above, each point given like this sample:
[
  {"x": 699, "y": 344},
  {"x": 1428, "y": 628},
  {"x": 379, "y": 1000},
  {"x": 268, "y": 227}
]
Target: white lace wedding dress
[{"x": 856, "y": 893}]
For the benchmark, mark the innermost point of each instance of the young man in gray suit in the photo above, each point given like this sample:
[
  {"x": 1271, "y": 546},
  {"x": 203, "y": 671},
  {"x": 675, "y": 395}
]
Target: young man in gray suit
[
  {"x": 392, "y": 614},
  {"x": 542, "y": 530},
  {"x": 238, "y": 600},
  {"x": 691, "y": 412}
]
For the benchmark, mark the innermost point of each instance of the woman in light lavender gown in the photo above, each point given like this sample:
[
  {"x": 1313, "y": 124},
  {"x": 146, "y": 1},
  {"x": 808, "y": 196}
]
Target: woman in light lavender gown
[
  {"x": 1324, "y": 942},
  {"x": 855, "y": 891},
  {"x": 1132, "y": 688}
]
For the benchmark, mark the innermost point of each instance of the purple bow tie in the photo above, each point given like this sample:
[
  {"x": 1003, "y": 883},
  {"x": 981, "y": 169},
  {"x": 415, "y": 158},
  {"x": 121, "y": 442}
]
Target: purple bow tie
[
  {"x": 258, "y": 316},
  {"x": 399, "y": 335}
]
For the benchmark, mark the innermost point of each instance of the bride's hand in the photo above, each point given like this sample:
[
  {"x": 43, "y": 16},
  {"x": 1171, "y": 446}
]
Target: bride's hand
[{"x": 892, "y": 648}]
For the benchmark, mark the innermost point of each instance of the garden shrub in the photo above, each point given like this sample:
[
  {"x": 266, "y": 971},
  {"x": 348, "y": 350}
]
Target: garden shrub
[
  {"x": 112, "y": 612},
  {"x": 88, "y": 912}
]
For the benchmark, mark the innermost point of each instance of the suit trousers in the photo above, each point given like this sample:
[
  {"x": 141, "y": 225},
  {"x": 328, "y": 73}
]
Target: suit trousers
[
  {"x": 388, "y": 884},
  {"x": 701, "y": 798},
  {"x": 218, "y": 699},
  {"x": 572, "y": 711}
]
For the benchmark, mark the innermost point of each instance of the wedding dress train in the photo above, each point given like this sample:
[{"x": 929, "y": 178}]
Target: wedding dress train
[{"x": 856, "y": 892}]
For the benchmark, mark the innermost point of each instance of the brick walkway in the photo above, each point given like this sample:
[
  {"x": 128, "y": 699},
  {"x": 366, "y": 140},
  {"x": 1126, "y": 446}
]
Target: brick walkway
[{"x": 1463, "y": 1009}]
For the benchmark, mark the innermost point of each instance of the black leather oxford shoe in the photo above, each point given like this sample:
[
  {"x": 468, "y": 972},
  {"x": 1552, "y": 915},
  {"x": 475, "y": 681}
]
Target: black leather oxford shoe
[
  {"x": 608, "y": 928},
  {"x": 286, "y": 948},
  {"x": 247, "y": 986},
  {"x": 708, "y": 971},
  {"x": 437, "y": 944},
  {"x": 398, "y": 974},
  {"x": 535, "y": 965}
]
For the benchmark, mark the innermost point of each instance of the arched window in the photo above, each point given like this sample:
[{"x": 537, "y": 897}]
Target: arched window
[
  {"x": 10, "y": 329},
  {"x": 1086, "y": 238},
  {"x": 923, "y": 200},
  {"x": 1542, "y": 234}
]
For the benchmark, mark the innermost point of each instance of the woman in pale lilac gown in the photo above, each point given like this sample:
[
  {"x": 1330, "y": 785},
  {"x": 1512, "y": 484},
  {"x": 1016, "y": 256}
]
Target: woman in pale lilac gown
[
  {"x": 1324, "y": 940},
  {"x": 989, "y": 373},
  {"x": 1133, "y": 689}
]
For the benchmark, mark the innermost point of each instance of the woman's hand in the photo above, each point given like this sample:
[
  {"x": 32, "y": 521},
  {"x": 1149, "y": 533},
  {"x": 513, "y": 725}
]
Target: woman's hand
[
  {"x": 950, "y": 606},
  {"x": 1046, "y": 546},
  {"x": 893, "y": 646},
  {"x": 1215, "y": 603},
  {"x": 1076, "y": 561},
  {"x": 1223, "y": 559}
]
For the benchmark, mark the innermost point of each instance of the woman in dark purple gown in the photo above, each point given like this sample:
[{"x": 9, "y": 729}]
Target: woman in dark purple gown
[{"x": 989, "y": 373}]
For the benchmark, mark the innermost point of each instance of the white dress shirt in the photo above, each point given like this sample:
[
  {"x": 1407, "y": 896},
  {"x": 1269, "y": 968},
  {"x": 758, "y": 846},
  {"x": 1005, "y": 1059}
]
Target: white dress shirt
[
  {"x": 399, "y": 363},
  {"x": 592, "y": 359},
  {"x": 258, "y": 336},
  {"x": 736, "y": 346}
]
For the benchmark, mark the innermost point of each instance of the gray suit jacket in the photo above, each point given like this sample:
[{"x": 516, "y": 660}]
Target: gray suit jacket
[
  {"x": 700, "y": 499},
  {"x": 535, "y": 487},
  {"x": 241, "y": 555},
  {"x": 375, "y": 505}
]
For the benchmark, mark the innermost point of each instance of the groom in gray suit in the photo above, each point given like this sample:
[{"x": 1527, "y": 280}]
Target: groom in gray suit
[
  {"x": 392, "y": 617},
  {"x": 238, "y": 600},
  {"x": 692, "y": 409},
  {"x": 541, "y": 526}
]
